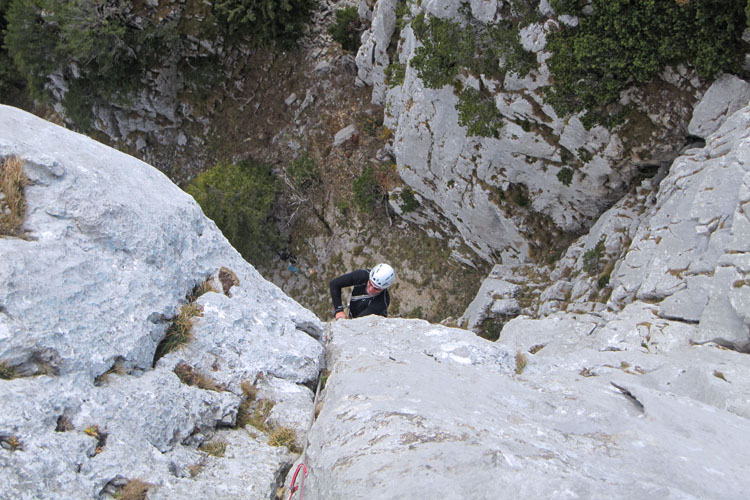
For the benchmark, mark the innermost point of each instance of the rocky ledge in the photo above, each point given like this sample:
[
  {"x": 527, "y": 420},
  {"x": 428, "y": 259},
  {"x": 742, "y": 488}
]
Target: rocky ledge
[{"x": 113, "y": 259}]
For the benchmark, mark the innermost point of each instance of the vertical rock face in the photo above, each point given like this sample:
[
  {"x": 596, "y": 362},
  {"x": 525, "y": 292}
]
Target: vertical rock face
[
  {"x": 111, "y": 252},
  {"x": 413, "y": 410},
  {"x": 470, "y": 180},
  {"x": 679, "y": 239}
]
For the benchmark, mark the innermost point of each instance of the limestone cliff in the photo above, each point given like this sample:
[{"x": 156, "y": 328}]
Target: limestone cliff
[{"x": 97, "y": 387}]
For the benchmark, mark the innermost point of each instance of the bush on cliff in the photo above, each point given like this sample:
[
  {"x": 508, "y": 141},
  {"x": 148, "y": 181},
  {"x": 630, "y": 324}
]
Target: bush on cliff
[
  {"x": 347, "y": 29},
  {"x": 100, "y": 51},
  {"x": 628, "y": 42},
  {"x": 239, "y": 197}
]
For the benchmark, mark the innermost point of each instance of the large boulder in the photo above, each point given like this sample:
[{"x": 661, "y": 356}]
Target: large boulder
[
  {"x": 414, "y": 410},
  {"x": 111, "y": 251}
]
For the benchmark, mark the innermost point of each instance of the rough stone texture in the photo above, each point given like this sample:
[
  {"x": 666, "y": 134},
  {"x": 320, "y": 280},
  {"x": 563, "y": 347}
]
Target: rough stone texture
[
  {"x": 495, "y": 299},
  {"x": 725, "y": 96},
  {"x": 691, "y": 249},
  {"x": 413, "y": 410},
  {"x": 111, "y": 249},
  {"x": 680, "y": 239},
  {"x": 462, "y": 175},
  {"x": 372, "y": 58}
]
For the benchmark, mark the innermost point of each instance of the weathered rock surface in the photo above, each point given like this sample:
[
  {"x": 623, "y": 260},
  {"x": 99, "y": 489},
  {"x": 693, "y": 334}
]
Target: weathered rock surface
[
  {"x": 464, "y": 176},
  {"x": 725, "y": 96},
  {"x": 413, "y": 410},
  {"x": 111, "y": 250},
  {"x": 680, "y": 240}
]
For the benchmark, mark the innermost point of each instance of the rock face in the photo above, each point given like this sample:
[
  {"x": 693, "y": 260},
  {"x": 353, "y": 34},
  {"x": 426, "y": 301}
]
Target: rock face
[
  {"x": 464, "y": 177},
  {"x": 679, "y": 240},
  {"x": 413, "y": 410},
  {"x": 111, "y": 250}
]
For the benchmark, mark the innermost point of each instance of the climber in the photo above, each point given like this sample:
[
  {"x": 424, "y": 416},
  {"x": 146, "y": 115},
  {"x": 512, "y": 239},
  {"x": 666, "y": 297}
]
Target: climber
[{"x": 369, "y": 295}]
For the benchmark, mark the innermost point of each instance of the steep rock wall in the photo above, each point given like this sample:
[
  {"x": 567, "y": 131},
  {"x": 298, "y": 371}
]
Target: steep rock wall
[
  {"x": 110, "y": 250},
  {"x": 465, "y": 176}
]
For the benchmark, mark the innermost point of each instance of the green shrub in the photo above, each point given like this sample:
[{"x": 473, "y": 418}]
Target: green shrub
[
  {"x": 446, "y": 48},
  {"x": 395, "y": 74},
  {"x": 592, "y": 257},
  {"x": 478, "y": 114},
  {"x": 628, "y": 42},
  {"x": 367, "y": 191},
  {"x": 304, "y": 172},
  {"x": 347, "y": 28},
  {"x": 409, "y": 202},
  {"x": 565, "y": 175},
  {"x": 239, "y": 197},
  {"x": 266, "y": 21}
]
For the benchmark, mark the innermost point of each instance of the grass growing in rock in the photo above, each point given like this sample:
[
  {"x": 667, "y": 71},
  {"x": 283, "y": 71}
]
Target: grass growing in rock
[
  {"x": 214, "y": 448},
  {"x": 10, "y": 442},
  {"x": 285, "y": 436},
  {"x": 12, "y": 199},
  {"x": 521, "y": 362},
  {"x": 180, "y": 331},
  {"x": 135, "y": 489},
  {"x": 7, "y": 372},
  {"x": 190, "y": 376}
]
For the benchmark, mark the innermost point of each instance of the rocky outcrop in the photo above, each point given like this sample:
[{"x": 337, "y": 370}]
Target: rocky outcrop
[
  {"x": 110, "y": 263},
  {"x": 679, "y": 240},
  {"x": 414, "y": 410},
  {"x": 472, "y": 181}
]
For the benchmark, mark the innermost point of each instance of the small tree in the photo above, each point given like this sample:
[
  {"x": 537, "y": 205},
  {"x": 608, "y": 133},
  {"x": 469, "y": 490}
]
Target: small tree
[
  {"x": 239, "y": 197},
  {"x": 347, "y": 28}
]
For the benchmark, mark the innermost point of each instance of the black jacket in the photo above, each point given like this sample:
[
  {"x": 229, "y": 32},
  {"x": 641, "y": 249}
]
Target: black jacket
[{"x": 360, "y": 304}]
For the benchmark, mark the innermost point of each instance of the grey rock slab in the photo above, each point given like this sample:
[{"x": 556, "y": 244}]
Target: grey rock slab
[
  {"x": 399, "y": 423},
  {"x": 725, "y": 96},
  {"x": 344, "y": 135},
  {"x": 111, "y": 249},
  {"x": 249, "y": 469}
]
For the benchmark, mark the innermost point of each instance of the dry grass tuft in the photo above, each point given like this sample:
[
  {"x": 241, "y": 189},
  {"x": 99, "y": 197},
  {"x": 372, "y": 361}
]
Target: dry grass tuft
[
  {"x": 12, "y": 199},
  {"x": 228, "y": 280},
  {"x": 284, "y": 436},
  {"x": 180, "y": 332},
  {"x": 135, "y": 489},
  {"x": 520, "y": 362},
  {"x": 190, "y": 376},
  {"x": 10, "y": 442},
  {"x": 7, "y": 372},
  {"x": 214, "y": 448}
]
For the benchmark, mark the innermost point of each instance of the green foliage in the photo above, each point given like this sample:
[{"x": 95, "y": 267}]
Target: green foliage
[
  {"x": 239, "y": 197},
  {"x": 266, "y": 21},
  {"x": 367, "y": 191},
  {"x": 304, "y": 171},
  {"x": 478, "y": 114},
  {"x": 409, "y": 202},
  {"x": 628, "y": 42},
  {"x": 592, "y": 257},
  {"x": 395, "y": 74},
  {"x": 347, "y": 28},
  {"x": 565, "y": 175},
  {"x": 12, "y": 84},
  {"x": 446, "y": 47},
  {"x": 7, "y": 371},
  {"x": 449, "y": 47}
]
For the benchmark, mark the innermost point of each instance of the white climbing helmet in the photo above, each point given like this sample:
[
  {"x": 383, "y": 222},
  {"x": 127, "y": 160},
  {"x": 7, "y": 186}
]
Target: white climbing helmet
[{"x": 382, "y": 276}]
